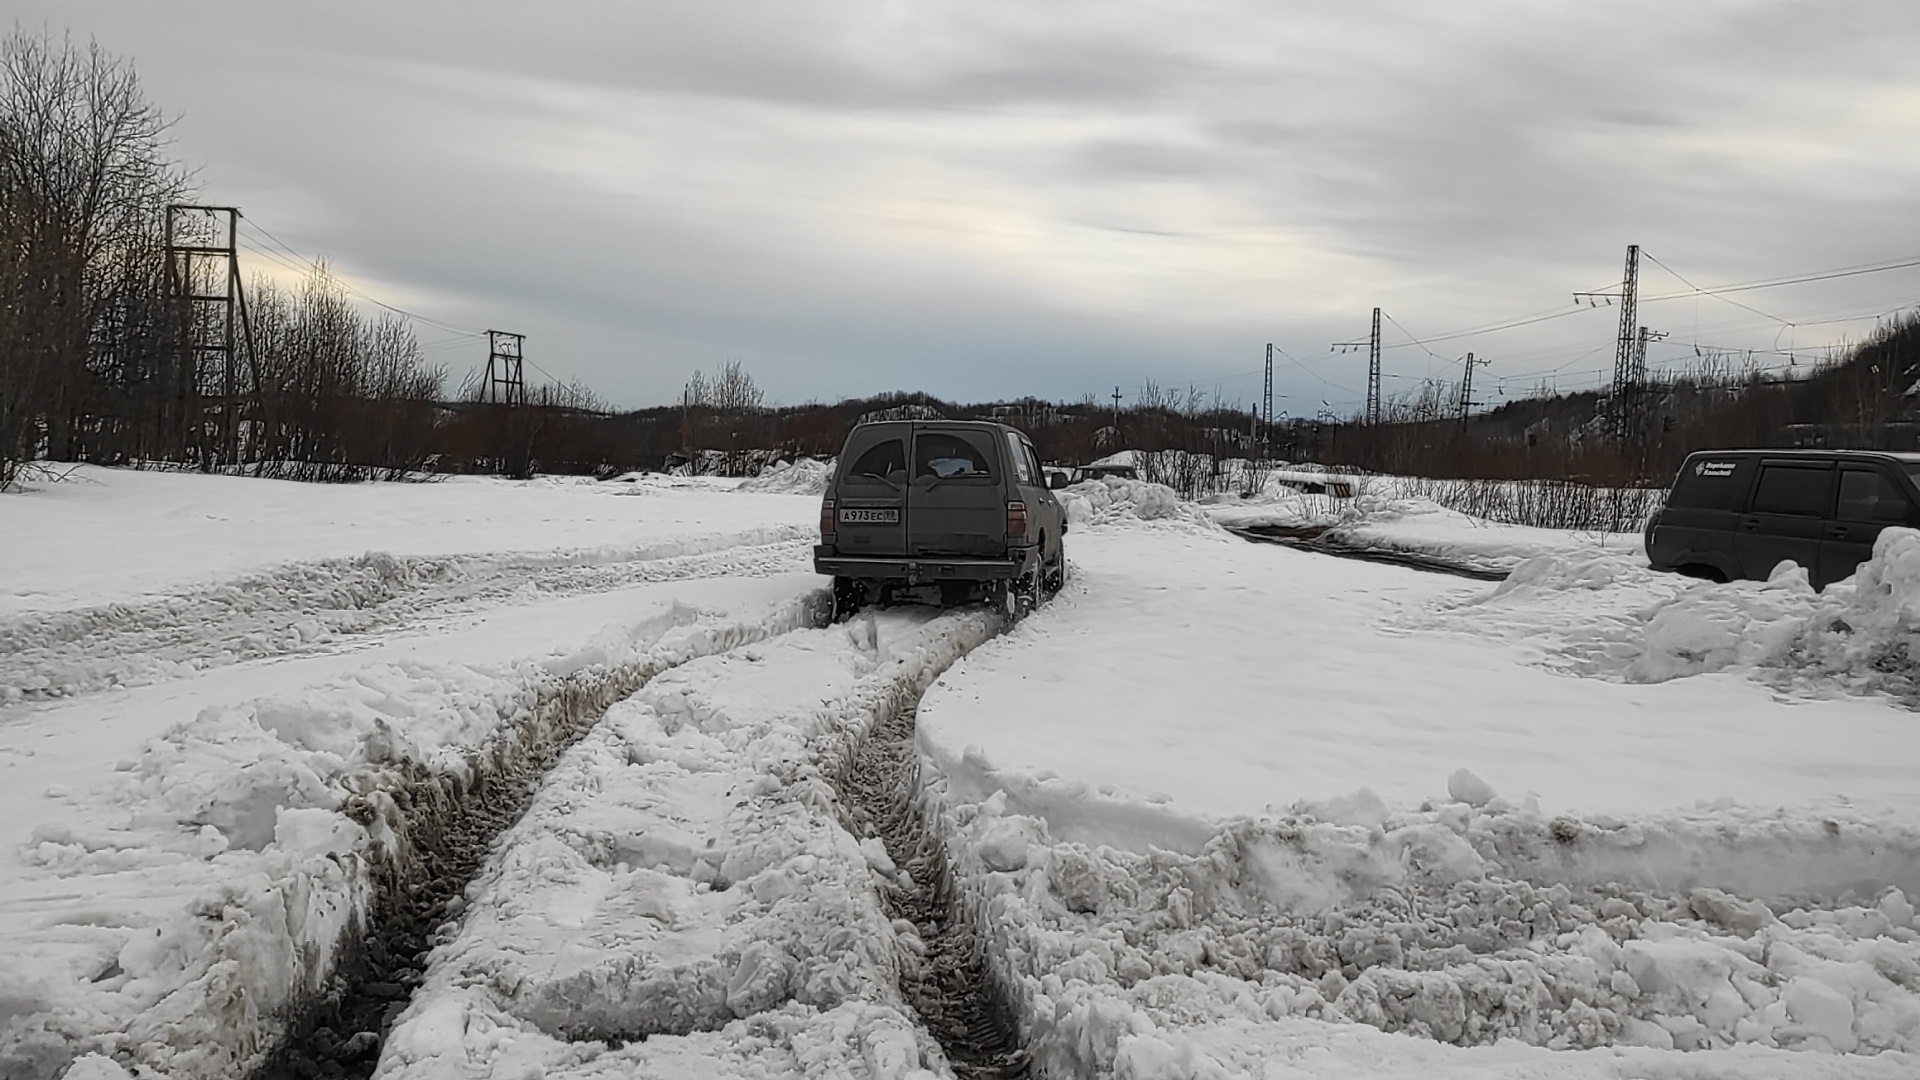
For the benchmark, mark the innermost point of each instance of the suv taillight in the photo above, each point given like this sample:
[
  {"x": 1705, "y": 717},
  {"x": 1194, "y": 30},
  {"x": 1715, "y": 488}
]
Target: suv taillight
[
  {"x": 1017, "y": 519},
  {"x": 826, "y": 518}
]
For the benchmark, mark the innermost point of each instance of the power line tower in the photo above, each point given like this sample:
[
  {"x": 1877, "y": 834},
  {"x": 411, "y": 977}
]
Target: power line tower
[
  {"x": 1373, "y": 373},
  {"x": 1373, "y": 368},
  {"x": 203, "y": 280},
  {"x": 506, "y": 380},
  {"x": 1628, "y": 349},
  {"x": 1466, "y": 388},
  {"x": 1266, "y": 405}
]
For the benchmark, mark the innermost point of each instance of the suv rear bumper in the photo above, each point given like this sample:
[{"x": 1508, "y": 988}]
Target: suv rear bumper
[{"x": 916, "y": 570}]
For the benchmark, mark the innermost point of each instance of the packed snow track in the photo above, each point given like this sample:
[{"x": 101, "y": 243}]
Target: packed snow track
[{"x": 727, "y": 877}]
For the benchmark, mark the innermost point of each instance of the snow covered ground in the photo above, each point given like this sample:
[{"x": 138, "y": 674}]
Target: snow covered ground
[
  {"x": 1219, "y": 809},
  {"x": 1614, "y": 815}
]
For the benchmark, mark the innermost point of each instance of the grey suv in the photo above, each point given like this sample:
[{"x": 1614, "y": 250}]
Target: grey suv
[
  {"x": 942, "y": 510},
  {"x": 1738, "y": 513}
]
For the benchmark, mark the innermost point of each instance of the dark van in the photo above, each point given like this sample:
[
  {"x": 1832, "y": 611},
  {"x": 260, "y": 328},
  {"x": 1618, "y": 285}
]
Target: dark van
[
  {"x": 942, "y": 510},
  {"x": 1739, "y": 513}
]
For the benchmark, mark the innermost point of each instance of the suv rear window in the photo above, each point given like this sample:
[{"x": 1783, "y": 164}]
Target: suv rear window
[
  {"x": 1793, "y": 489},
  {"x": 1871, "y": 496},
  {"x": 939, "y": 454},
  {"x": 881, "y": 460}
]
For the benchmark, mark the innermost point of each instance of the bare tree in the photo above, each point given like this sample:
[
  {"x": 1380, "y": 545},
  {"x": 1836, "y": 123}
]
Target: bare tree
[{"x": 84, "y": 181}]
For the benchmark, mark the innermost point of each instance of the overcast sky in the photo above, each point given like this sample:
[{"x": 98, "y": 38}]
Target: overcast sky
[{"x": 987, "y": 200}]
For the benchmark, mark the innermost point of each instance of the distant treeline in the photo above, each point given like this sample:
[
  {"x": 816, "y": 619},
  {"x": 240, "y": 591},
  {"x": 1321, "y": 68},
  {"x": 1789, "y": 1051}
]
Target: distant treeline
[{"x": 1860, "y": 398}]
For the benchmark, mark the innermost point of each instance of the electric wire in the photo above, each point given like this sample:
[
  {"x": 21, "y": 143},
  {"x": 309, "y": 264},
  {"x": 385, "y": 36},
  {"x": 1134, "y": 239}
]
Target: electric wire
[{"x": 310, "y": 265}]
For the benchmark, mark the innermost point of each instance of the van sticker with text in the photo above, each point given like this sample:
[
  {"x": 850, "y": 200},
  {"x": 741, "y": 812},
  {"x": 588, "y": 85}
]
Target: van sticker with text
[{"x": 1714, "y": 468}]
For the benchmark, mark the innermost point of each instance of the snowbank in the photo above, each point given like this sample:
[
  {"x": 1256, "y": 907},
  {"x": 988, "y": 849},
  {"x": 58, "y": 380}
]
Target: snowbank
[
  {"x": 308, "y": 606},
  {"x": 1117, "y": 500},
  {"x": 1608, "y": 616},
  {"x": 801, "y": 476},
  {"x": 1469, "y": 926},
  {"x": 226, "y": 863}
]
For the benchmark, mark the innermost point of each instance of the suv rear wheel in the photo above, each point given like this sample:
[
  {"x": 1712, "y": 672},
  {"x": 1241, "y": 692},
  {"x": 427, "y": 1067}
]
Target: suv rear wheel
[{"x": 848, "y": 596}]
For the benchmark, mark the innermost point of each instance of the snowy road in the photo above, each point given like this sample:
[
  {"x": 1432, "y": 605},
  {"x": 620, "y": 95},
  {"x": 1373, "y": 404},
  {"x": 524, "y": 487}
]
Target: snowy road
[{"x": 610, "y": 798}]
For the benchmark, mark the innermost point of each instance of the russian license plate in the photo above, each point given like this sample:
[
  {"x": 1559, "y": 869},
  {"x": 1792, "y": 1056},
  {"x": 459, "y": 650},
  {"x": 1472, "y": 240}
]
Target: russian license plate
[{"x": 855, "y": 515}]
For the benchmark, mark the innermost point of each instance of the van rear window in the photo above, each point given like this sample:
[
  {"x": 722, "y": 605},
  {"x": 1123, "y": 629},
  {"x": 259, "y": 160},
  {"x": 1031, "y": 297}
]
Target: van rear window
[{"x": 1709, "y": 484}]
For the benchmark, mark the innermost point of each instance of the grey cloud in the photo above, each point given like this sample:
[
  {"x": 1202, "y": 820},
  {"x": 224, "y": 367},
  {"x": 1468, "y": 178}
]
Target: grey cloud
[{"x": 1467, "y": 161}]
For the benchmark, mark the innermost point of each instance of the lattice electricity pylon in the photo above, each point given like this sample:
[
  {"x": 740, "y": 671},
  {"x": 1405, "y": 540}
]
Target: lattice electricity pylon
[
  {"x": 1625, "y": 403},
  {"x": 1266, "y": 406},
  {"x": 1626, "y": 379},
  {"x": 203, "y": 278},
  {"x": 1373, "y": 368},
  {"x": 1466, "y": 388},
  {"x": 506, "y": 382}
]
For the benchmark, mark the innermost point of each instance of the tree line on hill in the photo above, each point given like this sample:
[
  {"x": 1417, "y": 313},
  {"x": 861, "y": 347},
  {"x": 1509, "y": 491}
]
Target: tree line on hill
[{"x": 1863, "y": 397}]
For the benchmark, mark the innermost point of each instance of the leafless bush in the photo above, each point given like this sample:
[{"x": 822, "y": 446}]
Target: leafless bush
[
  {"x": 340, "y": 397},
  {"x": 723, "y": 413},
  {"x": 1547, "y": 504}
]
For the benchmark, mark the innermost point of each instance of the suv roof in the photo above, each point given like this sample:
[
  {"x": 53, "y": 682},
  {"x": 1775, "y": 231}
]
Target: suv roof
[
  {"x": 938, "y": 423},
  {"x": 1905, "y": 457}
]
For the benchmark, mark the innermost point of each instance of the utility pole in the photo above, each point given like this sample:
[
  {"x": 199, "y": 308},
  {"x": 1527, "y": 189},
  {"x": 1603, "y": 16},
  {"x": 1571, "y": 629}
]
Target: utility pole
[
  {"x": 1116, "y": 417},
  {"x": 1646, "y": 334},
  {"x": 1373, "y": 368},
  {"x": 1466, "y": 389},
  {"x": 203, "y": 278},
  {"x": 506, "y": 380},
  {"x": 1266, "y": 403}
]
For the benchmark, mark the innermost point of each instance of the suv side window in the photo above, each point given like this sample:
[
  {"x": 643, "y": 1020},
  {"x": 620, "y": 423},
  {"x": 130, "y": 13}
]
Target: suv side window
[
  {"x": 1711, "y": 484},
  {"x": 1033, "y": 461},
  {"x": 939, "y": 454},
  {"x": 1022, "y": 462},
  {"x": 881, "y": 460},
  {"x": 1871, "y": 497},
  {"x": 1800, "y": 490}
]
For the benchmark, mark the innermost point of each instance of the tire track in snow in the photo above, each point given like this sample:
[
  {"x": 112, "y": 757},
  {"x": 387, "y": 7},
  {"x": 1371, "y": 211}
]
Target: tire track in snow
[
  {"x": 438, "y": 828},
  {"x": 1314, "y": 539},
  {"x": 735, "y": 860},
  {"x": 949, "y": 981},
  {"x": 310, "y": 606}
]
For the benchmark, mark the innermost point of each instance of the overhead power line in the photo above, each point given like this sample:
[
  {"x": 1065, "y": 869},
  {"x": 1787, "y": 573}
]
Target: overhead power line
[
  {"x": 1698, "y": 291},
  {"x": 310, "y": 265},
  {"x": 1797, "y": 279}
]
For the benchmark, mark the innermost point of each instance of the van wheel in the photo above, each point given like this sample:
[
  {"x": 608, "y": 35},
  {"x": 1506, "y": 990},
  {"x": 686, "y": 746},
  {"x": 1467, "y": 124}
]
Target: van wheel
[
  {"x": 1704, "y": 573},
  {"x": 848, "y": 593}
]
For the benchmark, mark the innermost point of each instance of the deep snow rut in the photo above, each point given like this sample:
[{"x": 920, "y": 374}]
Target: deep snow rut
[
  {"x": 442, "y": 827},
  {"x": 952, "y": 986},
  {"x": 729, "y": 875}
]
